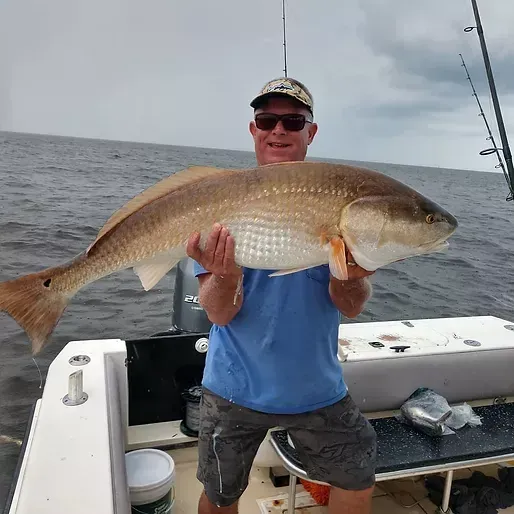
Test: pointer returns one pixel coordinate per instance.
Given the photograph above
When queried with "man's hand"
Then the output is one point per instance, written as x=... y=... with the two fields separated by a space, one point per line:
x=222 y=284
x=354 y=270
x=350 y=296
x=218 y=255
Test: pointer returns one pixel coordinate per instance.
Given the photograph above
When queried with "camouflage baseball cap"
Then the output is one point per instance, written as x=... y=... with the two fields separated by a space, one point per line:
x=285 y=86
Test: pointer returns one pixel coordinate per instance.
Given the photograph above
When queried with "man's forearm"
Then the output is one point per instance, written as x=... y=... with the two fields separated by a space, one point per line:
x=350 y=296
x=216 y=296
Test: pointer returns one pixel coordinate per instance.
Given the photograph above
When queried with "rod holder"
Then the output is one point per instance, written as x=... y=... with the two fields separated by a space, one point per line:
x=76 y=394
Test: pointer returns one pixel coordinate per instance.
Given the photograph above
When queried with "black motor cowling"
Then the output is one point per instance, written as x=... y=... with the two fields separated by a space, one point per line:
x=188 y=315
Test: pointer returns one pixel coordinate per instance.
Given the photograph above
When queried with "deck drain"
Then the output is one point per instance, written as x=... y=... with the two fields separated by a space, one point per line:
x=472 y=342
x=509 y=327
x=202 y=345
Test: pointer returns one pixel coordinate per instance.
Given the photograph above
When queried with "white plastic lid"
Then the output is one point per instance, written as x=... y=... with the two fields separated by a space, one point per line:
x=148 y=468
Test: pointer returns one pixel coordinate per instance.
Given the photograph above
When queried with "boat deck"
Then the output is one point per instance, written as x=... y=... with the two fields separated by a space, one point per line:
x=405 y=496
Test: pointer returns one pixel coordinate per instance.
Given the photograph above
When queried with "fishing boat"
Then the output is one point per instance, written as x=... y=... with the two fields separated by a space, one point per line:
x=107 y=400
x=115 y=429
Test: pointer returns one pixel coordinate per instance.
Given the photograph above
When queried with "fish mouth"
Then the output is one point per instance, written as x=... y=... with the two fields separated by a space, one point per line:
x=436 y=246
x=443 y=245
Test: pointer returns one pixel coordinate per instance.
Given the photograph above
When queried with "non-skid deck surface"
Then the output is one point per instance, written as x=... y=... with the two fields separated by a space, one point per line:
x=403 y=447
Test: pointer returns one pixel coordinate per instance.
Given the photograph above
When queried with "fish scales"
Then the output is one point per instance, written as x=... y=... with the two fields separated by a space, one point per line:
x=275 y=218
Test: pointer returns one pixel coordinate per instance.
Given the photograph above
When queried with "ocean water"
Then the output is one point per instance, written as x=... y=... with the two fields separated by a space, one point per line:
x=56 y=192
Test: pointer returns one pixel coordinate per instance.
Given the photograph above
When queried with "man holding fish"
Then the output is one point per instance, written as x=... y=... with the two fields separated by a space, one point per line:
x=293 y=250
x=272 y=358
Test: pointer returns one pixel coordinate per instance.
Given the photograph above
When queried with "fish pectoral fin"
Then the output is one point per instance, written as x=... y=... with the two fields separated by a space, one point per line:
x=151 y=271
x=337 y=259
x=281 y=272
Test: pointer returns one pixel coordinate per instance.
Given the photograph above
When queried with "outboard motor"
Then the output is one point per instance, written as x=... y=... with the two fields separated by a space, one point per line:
x=188 y=315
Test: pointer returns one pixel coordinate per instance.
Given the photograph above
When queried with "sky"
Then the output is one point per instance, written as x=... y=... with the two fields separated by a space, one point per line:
x=386 y=76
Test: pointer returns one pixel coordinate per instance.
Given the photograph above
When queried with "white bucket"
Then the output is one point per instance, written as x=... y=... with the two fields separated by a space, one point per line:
x=151 y=481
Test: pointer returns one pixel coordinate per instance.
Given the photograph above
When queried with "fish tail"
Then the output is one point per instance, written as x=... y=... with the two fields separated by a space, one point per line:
x=35 y=305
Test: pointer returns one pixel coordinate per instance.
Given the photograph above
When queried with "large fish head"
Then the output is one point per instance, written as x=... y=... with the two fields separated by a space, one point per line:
x=381 y=230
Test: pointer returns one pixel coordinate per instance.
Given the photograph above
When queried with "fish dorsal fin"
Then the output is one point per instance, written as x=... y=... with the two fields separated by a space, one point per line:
x=158 y=190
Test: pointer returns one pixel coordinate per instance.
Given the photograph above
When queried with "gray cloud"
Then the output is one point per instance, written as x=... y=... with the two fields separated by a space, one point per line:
x=423 y=56
x=387 y=78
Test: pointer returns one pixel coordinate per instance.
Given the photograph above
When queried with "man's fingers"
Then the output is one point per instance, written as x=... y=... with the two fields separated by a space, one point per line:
x=358 y=272
x=220 y=248
x=192 y=248
x=354 y=270
x=211 y=243
x=229 y=257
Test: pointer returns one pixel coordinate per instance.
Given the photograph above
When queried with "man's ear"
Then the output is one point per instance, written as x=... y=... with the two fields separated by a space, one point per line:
x=252 y=128
x=313 y=129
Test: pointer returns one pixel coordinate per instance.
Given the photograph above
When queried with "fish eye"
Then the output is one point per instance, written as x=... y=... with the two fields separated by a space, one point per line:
x=430 y=218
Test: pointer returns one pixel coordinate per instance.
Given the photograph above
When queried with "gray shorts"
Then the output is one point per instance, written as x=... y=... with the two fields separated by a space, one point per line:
x=336 y=444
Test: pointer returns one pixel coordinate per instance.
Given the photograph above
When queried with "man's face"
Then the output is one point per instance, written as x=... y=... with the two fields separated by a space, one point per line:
x=279 y=144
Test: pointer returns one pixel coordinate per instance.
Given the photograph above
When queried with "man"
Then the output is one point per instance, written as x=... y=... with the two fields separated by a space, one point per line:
x=272 y=358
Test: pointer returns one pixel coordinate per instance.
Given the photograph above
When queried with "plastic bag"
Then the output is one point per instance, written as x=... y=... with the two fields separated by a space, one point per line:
x=430 y=412
x=462 y=415
x=427 y=411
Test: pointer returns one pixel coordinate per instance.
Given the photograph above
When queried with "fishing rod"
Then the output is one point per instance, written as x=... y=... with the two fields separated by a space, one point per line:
x=509 y=174
x=490 y=137
x=284 y=35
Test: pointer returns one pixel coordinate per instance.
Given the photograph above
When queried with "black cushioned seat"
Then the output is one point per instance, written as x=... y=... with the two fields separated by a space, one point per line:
x=405 y=451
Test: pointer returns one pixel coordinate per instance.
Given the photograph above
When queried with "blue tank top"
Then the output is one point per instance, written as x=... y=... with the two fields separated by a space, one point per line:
x=279 y=353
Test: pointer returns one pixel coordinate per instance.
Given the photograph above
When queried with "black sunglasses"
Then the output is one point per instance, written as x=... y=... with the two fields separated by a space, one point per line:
x=290 y=122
